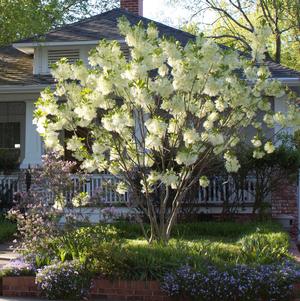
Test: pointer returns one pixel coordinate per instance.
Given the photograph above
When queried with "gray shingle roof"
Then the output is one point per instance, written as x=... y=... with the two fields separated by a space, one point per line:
x=104 y=26
x=16 y=67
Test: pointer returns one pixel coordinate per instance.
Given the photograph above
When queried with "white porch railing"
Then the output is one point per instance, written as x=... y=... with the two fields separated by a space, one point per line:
x=222 y=190
x=102 y=187
x=9 y=183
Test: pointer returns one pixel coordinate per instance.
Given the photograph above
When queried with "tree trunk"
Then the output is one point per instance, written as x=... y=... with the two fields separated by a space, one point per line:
x=278 y=48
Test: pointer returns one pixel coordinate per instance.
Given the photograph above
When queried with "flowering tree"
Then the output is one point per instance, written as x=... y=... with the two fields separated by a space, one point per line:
x=158 y=118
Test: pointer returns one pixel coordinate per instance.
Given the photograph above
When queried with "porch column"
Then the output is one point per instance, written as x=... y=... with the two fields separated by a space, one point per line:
x=33 y=143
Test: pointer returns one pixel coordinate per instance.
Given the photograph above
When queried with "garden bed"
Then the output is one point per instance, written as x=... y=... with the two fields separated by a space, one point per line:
x=208 y=261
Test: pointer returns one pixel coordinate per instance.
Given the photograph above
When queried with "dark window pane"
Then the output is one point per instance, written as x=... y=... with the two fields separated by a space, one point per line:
x=9 y=134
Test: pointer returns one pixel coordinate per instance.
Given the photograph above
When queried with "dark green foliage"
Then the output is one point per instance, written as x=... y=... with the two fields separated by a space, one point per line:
x=21 y=19
x=224 y=229
x=264 y=248
x=9 y=159
x=7 y=229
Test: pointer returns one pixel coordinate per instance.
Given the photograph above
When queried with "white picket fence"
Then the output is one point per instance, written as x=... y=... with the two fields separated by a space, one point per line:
x=102 y=187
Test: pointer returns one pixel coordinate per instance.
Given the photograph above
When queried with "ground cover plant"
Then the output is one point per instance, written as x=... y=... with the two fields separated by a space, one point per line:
x=64 y=280
x=7 y=229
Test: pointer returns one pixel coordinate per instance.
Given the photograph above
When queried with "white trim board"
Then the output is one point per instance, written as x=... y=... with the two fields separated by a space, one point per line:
x=29 y=47
x=23 y=88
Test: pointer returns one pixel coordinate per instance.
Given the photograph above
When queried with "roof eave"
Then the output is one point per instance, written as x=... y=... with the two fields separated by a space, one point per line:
x=24 y=88
x=290 y=81
x=29 y=47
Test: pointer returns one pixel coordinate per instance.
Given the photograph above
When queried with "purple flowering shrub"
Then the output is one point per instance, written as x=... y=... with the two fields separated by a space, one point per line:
x=68 y=280
x=18 y=267
x=35 y=215
x=241 y=283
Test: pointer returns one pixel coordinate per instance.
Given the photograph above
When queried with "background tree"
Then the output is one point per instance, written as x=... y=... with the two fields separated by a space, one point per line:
x=25 y=18
x=158 y=118
x=236 y=20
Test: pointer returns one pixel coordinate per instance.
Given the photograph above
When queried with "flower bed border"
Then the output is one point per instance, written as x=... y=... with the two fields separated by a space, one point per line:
x=24 y=286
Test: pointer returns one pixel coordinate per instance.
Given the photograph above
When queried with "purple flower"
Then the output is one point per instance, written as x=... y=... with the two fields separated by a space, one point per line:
x=18 y=267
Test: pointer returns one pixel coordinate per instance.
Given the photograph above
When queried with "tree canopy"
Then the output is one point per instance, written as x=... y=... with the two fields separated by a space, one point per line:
x=236 y=20
x=25 y=18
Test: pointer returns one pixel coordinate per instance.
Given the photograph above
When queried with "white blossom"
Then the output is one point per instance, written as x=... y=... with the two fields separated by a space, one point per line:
x=204 y=182
x=269 y=147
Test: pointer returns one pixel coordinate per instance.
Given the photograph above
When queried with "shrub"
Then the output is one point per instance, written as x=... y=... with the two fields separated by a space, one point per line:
x=68 y=280
x=78 y=243
x=264 y=248
x=242 y=283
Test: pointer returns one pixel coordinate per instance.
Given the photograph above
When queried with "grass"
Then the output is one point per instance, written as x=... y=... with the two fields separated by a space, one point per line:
x=7 y=229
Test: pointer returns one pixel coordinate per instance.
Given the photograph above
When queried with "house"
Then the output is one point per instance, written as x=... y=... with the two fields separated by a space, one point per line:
x=25 y=71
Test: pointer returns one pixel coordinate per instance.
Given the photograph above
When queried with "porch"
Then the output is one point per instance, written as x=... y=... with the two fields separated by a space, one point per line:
x=20 y=144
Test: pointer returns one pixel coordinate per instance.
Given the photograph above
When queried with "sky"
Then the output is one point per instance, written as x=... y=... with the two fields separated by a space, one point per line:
x=162 y=11
x=175 y=15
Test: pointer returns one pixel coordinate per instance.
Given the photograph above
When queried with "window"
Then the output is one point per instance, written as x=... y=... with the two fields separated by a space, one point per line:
x=72 y=55
x=10 y=135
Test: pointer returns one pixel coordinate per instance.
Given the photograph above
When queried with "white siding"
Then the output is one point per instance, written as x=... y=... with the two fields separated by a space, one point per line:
x=40 y=65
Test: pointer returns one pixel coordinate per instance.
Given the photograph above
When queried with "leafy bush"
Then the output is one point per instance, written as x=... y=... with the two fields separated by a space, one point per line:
x=68 y=280
x=78 y=243
x=264 y=248
x=243 y=283
x=7 y=229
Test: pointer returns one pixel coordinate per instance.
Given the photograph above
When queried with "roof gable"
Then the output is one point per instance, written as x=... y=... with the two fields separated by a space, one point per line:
x=16 y=67
x=104 y=26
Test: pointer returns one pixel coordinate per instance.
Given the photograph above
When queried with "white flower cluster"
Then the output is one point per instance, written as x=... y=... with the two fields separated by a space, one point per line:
x=231 y=162
x=163 y=112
